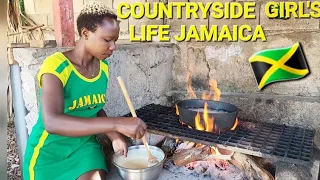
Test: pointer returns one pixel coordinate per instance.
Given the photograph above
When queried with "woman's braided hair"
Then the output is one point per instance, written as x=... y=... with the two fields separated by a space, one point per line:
x=93 y=14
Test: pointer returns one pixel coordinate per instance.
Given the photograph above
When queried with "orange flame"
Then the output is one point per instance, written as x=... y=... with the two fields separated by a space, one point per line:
x=214 y=87
x=198 y=124
x=214 y=94
x=177 y=110
x=235 y=124
x=189 y=86
x=208 y=121
x=208 y=125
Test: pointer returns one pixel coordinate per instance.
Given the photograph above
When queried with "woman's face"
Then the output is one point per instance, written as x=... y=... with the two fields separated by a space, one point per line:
x=102 y=42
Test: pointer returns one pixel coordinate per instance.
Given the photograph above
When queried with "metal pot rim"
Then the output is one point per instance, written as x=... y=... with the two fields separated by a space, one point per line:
x=140 y=170
x=197 y=99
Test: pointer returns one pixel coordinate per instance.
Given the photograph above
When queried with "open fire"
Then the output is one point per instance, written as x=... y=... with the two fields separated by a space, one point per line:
x=207 y=158
x=206 y=123
x=197 y=142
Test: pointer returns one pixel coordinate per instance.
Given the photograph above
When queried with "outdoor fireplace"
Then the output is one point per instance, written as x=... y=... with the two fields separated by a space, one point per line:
x=266 y=140
x=244 y=150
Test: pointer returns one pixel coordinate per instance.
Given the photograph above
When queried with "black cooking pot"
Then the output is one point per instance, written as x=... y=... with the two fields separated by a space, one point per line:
x=224 y=114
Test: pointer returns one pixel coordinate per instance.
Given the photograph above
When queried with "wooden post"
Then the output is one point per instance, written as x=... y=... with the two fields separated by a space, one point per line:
x=64 y=22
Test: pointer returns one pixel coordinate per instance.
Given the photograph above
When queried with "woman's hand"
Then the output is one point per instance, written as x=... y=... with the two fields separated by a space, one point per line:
x=131 y=127
x=120 y=146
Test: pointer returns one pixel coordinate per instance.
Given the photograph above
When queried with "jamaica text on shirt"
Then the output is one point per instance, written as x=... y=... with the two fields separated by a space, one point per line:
x=87 y=100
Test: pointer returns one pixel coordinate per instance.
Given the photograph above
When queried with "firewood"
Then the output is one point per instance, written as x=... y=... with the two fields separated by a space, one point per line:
x=186 y=156
x=185 y=145
x=250 y=167
x=223 y=154
x=169 y=146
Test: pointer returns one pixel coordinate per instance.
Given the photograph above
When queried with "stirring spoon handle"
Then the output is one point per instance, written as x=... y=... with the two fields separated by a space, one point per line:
x=133 y=112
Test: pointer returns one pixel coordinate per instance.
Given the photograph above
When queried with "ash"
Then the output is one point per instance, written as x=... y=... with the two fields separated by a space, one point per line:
x=205 y=170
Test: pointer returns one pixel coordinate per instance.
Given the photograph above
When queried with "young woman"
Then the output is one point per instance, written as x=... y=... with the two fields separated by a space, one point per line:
x=62 y=145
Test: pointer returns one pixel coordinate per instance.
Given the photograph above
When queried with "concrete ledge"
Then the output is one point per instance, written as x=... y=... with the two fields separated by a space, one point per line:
x=286 y=171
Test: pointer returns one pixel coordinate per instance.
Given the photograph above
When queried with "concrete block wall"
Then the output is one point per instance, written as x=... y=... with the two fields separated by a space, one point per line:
x=294 y=102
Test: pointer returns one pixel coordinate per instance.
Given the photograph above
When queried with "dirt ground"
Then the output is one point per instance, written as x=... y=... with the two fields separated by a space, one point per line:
x=13 y=169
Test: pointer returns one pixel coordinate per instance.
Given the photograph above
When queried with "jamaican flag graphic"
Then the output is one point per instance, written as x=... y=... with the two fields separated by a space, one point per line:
x=279 y=64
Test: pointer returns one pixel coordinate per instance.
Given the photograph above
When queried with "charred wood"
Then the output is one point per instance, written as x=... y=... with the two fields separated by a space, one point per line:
x=186 y=156
x=169 y=145
x=250 y=167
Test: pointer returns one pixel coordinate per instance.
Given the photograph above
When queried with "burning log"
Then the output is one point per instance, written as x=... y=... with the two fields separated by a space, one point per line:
x=250 y=167
x=188 y=152
x=186 y=156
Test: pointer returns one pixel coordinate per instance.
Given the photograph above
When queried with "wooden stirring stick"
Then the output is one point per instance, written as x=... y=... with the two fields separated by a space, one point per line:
x=151 y=158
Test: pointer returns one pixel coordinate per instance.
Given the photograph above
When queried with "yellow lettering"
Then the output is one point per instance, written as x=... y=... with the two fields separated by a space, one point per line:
x=301 y=11
x=241 y=33
x=119 y=10
x=179 y=8
x=143 y=33
x=103 y=96
x=225 y=33
x=151 y=32
x=163 y=9
x=192 y=33
x=235 y=33
x=291 y=8
x=244 y=33
x=192 y=8
x=148 y=10
x=99 y=98
x=236 y=8
x=182 y=35
x=204 y=10
x=315 y=6
x=217 y=12
x=259 y=33
x=227 y=10
x=87 y=100
x=282 y=15
x=74 y=105
x=164 y=30
x=95 y=100
x=249 y=8
x=134 y=13
x=80 y=103
x=132 y=34
x=204 y=34
x=271 y=9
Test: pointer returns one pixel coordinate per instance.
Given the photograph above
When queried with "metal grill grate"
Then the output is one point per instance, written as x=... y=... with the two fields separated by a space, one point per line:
x=280 y=142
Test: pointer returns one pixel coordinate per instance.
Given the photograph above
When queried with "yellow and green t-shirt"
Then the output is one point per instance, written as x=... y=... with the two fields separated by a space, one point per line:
x=51 y=156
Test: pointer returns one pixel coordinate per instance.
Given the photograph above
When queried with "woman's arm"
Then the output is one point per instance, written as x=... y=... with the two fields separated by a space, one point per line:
x=112 y=135
x=56 y=122
x=119 y=144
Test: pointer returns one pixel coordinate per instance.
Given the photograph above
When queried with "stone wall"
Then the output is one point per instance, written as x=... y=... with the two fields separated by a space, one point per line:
x=145 y=69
